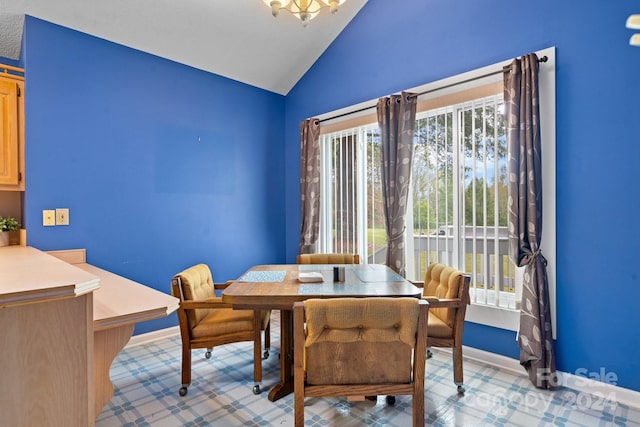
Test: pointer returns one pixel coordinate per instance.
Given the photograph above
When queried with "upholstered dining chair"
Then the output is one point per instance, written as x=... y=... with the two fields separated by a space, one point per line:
x=205 y=321
x=447 y=291
x=335 y=258
x=360 y=346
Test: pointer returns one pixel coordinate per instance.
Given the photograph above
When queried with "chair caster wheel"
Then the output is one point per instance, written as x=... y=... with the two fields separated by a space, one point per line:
x=207 y=355
x=265 y=355
x=256 y=389
x=429 y=354
x=183 y=391
x=461 y=389
x=391 y=400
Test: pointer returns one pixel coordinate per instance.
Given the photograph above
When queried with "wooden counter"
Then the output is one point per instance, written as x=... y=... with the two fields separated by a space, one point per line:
x=46 y=340
x=28 y=275
x=118 y=305
x=60 y=314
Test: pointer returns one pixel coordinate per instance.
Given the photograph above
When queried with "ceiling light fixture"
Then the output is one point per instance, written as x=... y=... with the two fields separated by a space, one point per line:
x=305 y=10
x=633 y=22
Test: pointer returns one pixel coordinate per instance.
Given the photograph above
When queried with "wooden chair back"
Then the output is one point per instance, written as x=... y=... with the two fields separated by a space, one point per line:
x=334 y=337
x=334 y=258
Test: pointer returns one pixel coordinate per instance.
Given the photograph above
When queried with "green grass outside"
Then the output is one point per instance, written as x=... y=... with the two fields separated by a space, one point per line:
x=377 y=237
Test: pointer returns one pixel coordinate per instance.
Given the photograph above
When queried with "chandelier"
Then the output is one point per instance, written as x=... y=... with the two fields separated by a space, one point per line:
x=305 y=10
x=633 y=22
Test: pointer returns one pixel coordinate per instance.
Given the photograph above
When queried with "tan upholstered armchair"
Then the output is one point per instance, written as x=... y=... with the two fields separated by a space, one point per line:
x=359 y=347
x=328 y=259
x=205 y=321
x=447 y=291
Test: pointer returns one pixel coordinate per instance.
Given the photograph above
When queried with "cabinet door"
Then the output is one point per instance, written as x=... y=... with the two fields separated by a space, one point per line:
x=9 y=146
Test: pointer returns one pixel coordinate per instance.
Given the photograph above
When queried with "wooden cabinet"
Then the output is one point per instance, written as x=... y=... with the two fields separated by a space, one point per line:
x=11 y=129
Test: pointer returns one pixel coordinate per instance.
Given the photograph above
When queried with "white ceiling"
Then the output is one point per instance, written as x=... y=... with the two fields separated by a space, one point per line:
x=238 y=39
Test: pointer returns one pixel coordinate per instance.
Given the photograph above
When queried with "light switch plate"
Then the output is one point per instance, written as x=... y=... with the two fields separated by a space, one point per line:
x=62 y=216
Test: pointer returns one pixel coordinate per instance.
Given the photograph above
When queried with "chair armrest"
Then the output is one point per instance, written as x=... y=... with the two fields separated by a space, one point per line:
x=418 y=283
x=222 y=285
x=208 y=303
x=442 y=302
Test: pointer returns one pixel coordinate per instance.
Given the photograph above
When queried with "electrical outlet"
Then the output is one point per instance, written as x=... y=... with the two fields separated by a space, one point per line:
x=62 y=216
x=48 y=217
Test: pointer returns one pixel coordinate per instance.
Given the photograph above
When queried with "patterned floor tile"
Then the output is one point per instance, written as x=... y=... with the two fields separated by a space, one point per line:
x=146 y=378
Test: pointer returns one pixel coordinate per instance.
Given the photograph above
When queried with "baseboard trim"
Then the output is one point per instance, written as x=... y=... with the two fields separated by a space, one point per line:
x=153 y=336
x=493 y=359
x=604 y=392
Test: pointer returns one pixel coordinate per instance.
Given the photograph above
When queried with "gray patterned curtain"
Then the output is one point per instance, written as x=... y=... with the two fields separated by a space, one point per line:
x=309 y=185
x=525 y=218
x=397 y=122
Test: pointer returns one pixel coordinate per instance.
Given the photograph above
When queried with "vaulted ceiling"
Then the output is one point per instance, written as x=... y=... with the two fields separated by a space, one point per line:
x=238 y=39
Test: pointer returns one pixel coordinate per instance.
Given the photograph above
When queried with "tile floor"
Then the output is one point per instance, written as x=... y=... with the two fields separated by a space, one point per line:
x=147 y=378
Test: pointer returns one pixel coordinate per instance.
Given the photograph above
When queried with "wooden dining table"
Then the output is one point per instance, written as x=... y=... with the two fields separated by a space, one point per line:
x=278 y=287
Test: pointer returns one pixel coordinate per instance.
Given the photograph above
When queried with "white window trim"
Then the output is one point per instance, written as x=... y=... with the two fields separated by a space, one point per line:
x=496 y=316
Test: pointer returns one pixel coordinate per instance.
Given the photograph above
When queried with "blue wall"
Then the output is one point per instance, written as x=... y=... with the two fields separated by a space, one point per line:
x=390 y=47
x=162 y=166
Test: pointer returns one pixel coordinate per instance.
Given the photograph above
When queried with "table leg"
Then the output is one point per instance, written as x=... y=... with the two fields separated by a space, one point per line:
x=285 y=386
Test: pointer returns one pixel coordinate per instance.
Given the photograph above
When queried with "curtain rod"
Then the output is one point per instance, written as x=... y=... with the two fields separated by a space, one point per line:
x=493 y=73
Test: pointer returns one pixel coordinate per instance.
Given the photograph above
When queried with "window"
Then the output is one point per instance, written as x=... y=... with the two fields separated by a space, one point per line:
x=351 y=217
x=459 y=211
x=457 y=214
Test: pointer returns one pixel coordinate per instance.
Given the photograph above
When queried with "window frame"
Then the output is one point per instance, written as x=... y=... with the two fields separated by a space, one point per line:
x=498 y=317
